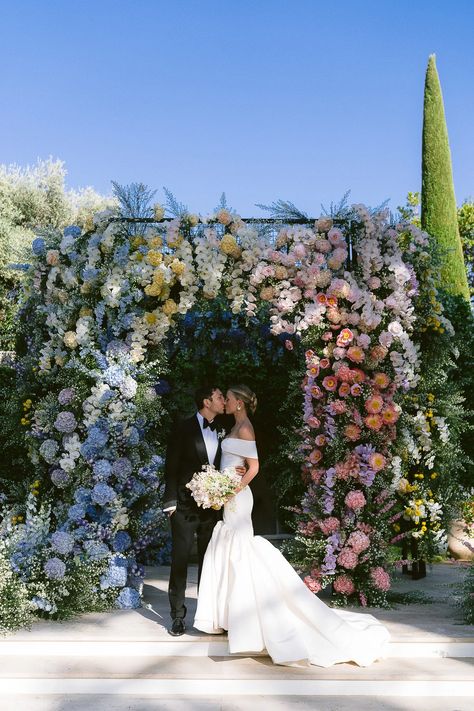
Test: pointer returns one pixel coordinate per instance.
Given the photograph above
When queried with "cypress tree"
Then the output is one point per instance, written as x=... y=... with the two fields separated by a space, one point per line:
x=438 y=202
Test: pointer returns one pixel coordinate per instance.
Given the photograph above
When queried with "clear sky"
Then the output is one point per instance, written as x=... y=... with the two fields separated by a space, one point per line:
x=262 y=99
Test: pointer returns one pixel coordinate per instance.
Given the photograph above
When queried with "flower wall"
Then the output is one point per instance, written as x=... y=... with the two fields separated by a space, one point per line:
x=98 y=308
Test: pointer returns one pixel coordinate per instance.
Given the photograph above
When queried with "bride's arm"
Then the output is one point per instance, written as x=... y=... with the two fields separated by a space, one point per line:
x=246 y=432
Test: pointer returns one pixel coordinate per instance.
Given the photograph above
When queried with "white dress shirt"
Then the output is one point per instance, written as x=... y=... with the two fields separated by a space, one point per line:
x=210 y=439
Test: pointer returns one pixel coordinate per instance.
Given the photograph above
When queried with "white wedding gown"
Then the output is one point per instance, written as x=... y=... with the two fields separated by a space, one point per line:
x=249 y=589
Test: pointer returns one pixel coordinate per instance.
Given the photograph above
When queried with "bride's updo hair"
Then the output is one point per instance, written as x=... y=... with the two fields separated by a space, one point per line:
x=243 y=392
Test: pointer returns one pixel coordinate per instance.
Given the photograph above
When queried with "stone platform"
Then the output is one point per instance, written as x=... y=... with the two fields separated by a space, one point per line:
x=126 y=660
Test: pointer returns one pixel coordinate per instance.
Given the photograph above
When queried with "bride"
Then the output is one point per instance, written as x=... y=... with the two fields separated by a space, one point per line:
x=249 y=589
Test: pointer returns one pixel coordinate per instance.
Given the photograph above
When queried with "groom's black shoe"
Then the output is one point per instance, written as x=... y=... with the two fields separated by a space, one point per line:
x=177 y=628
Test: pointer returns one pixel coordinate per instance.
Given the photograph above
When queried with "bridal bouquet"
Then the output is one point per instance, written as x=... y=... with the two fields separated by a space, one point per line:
x=211 y=488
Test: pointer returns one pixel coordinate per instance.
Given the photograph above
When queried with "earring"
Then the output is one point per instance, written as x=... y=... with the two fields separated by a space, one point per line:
x=239 y=408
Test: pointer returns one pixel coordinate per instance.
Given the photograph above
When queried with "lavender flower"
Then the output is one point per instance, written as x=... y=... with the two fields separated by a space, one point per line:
x=55 y=568
x=66 y=395
x=62 y=542
x=122 y=467
x=60 y=478
x=65 y=422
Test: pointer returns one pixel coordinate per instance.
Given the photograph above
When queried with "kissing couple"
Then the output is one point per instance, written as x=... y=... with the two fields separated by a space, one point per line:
x=245 y=585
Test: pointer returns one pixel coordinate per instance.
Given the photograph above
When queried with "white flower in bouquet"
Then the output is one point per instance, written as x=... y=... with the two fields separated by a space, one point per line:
x=211 y=488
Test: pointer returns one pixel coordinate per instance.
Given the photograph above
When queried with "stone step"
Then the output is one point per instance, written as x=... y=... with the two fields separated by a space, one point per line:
x=189 y=646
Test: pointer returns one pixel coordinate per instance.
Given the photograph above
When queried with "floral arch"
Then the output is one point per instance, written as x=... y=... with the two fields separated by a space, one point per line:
x=97 y=309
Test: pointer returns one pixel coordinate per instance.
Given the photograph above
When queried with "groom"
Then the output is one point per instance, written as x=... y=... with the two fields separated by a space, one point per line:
x=192 y=443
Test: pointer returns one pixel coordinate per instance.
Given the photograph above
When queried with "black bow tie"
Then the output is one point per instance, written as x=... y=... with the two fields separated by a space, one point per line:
x=212 y=425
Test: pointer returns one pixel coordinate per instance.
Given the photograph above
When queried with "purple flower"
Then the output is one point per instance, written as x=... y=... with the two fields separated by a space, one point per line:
x=65 y=422
x=55 y=568
x=60 y=478
x=66 y=396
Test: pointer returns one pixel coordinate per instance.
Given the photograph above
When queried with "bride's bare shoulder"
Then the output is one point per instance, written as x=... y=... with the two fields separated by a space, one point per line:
x=247 y=432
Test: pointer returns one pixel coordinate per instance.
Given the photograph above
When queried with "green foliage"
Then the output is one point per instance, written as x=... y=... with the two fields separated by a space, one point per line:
x=466 y=230
x=438 y=202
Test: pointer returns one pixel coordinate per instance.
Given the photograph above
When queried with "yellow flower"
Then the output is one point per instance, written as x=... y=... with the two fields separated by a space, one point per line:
x=153 y=289
x=177 y=267
x=27 y=404
x=173 y=243
x=150 y=318
x=85 y=311
x=35 y=492
x=154 y=258
x=170 y=307
x=396 y=527
x=159 y=211
x=230 y=247
x=70 y=339
x=138 y=241
x=20 y=519
x=24 y=421
x=158 y=277
x=434 y=475
x=156 y=241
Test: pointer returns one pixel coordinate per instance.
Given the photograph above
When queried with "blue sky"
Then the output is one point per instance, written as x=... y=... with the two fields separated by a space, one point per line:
x=262 y=99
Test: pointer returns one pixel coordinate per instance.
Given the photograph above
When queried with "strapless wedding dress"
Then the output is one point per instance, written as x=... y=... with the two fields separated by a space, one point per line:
x=249 y=589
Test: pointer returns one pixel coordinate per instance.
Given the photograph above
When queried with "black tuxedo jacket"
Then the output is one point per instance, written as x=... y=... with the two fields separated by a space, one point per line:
x=185 y=455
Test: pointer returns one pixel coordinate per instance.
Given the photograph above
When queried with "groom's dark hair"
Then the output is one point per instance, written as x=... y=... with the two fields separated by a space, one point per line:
x=203 y=393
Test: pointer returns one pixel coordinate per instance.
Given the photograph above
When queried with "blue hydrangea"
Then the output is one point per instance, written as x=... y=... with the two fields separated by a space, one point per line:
x=49 y=449
x=107 y=396
x=65 y=422
x=90 y=273
x=100 y=358
x=121 y=254
x=82 y=495
x=38 y=246
x=128 y=599
x=94 y=241
x=55 y=568
x=122 y=541
x=95 y=442
x=76 y=512
x=122 y=467
x=41 y=603
x=114 y=577
x=96 y=550
x=72 y=230
x=102 y=468
x=117 y=347
x=62 y=542
x=103 y=494
x=114 y=375
x=60 y=478
x=133 y=436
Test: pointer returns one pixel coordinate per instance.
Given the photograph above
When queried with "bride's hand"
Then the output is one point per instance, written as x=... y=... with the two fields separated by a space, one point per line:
x=241 y=471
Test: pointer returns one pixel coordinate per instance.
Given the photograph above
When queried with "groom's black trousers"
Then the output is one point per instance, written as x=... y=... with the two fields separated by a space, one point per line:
x=184 y=524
